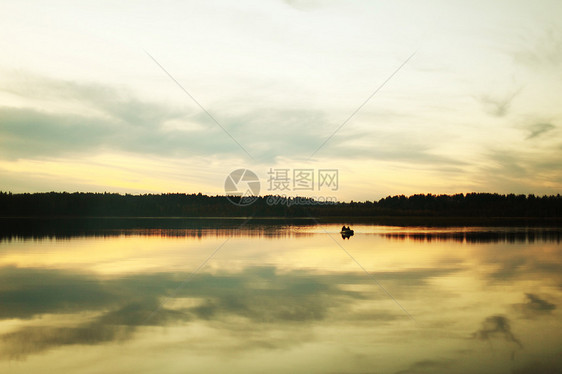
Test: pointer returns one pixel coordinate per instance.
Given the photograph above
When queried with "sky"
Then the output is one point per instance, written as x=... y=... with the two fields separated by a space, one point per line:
x=399 y=97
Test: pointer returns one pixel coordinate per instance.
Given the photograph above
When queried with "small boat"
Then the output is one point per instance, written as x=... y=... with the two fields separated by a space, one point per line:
x=346 y=233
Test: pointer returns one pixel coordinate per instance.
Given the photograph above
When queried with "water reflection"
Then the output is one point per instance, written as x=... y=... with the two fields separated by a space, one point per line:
x=257 y=295
x=345 y=235
x=529 y=235
x=37 y=229
x=285 y=301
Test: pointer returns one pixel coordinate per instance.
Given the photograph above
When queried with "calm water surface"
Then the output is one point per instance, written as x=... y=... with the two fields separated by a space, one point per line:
x=282 y=298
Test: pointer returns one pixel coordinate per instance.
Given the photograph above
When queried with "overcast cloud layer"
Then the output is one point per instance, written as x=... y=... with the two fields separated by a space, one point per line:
x=475 y=109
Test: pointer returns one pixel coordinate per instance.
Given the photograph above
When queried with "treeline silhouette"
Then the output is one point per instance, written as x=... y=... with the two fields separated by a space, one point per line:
x=79 y=204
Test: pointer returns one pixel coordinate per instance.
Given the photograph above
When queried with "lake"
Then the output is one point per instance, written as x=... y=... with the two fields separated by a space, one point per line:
x=252 y=297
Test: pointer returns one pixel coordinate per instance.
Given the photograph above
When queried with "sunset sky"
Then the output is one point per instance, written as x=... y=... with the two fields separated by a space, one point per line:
x=477 y=107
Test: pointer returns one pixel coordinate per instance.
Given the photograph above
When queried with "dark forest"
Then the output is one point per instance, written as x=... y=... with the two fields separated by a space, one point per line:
x=63 y=204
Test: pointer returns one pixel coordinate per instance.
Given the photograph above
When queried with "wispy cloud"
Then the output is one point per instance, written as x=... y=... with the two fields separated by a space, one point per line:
x=99 y=118
x=498 y=106
x=541 y=51
x=538 y=129
x=534 y=306
x=521 y=169
x=119 y=307
x=19 y=344
x=496 y=327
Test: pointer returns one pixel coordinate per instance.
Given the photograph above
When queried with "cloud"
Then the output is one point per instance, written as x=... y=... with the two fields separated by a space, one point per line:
x=520 y=169
x=498 y=107
x=494 y=327
x=31 y=340
x=534 y=306
x=538 y=304
x=515 y=264
x=107 y=310
x=26 y=293
x=91 y=118
x=119 y=307
x=84 y=119
x=539 y=129
x=91 y=100
x=541 y=51
x=28 y=133
x=255 y=296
